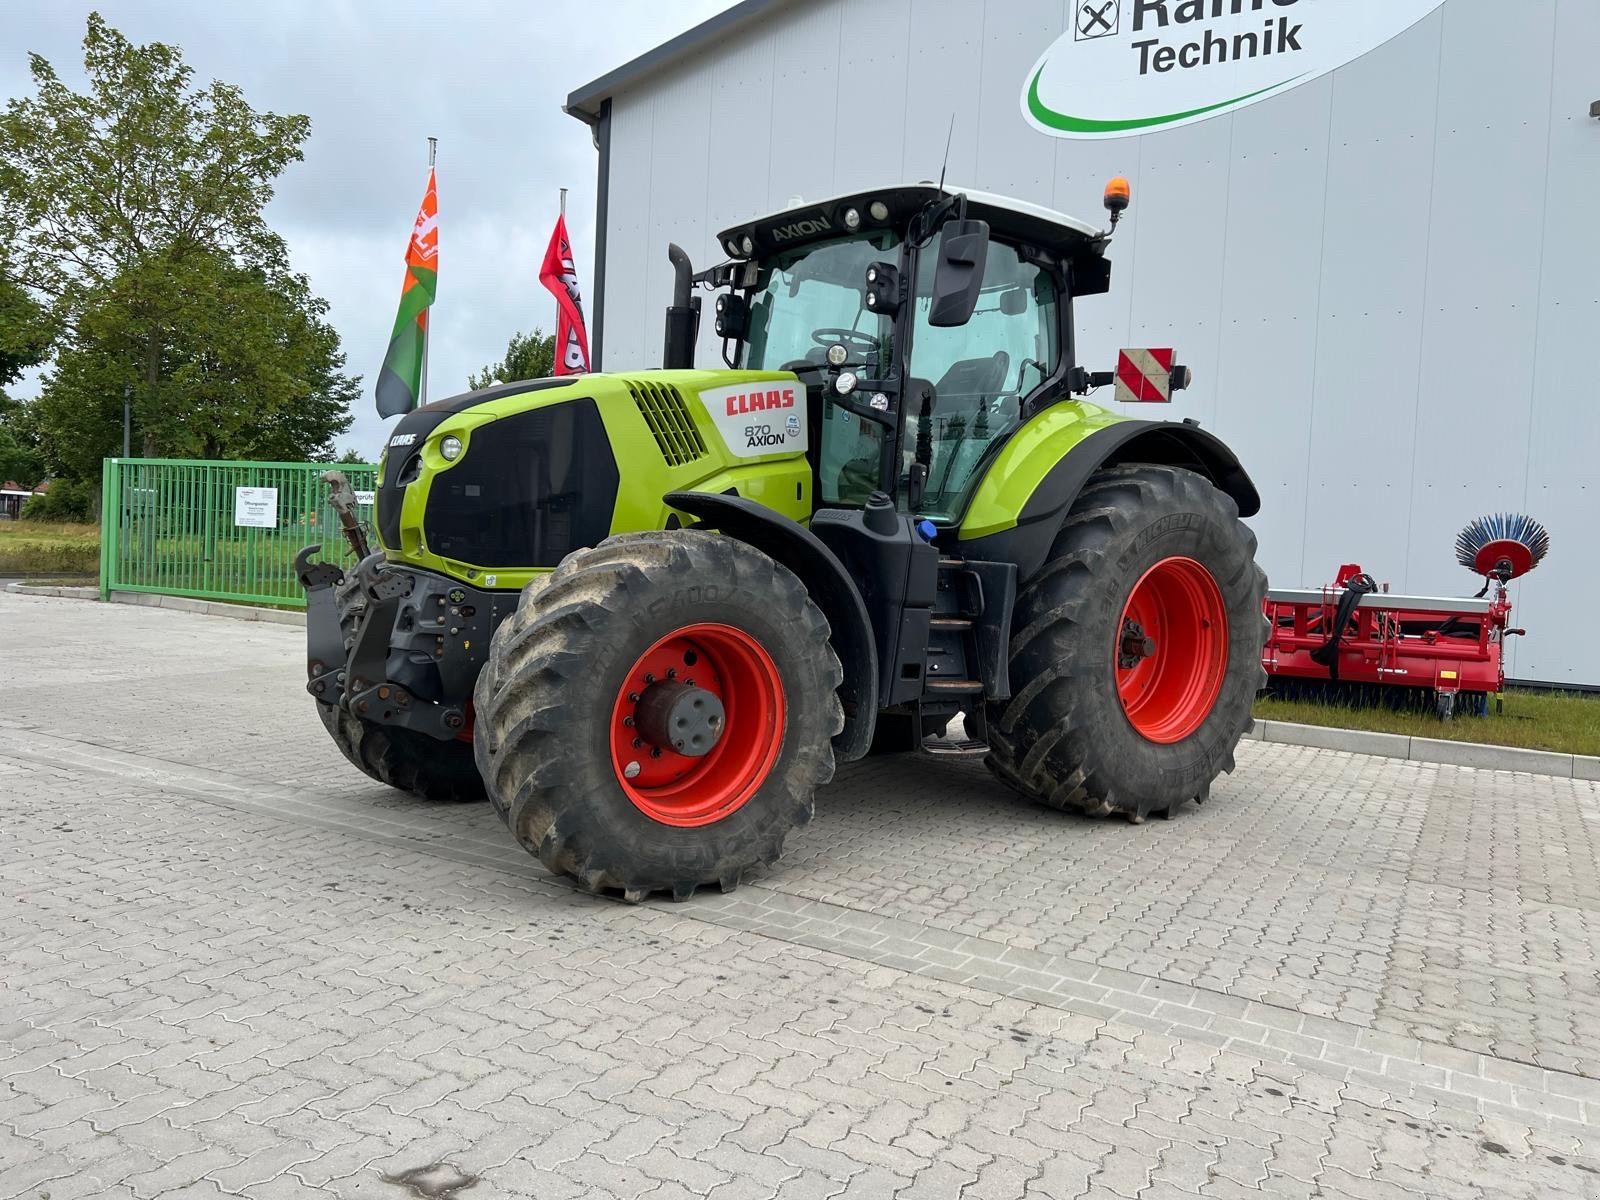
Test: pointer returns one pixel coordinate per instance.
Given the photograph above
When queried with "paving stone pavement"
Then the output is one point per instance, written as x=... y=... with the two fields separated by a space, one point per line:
x=232 y=966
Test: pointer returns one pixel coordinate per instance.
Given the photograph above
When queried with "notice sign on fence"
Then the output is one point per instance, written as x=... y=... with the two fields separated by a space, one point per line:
x=256 y=507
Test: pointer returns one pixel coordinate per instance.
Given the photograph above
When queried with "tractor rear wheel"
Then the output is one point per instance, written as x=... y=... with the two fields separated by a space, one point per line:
x=401 y=758
x=658 y=713
x=1136 y=652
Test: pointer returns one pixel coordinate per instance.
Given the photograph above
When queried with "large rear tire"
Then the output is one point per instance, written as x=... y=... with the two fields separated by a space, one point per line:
x=401 y=758
x=1136 y=655
x=570 y=735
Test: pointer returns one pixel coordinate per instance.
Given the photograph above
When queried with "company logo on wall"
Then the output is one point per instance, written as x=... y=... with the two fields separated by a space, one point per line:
x=1132 y=66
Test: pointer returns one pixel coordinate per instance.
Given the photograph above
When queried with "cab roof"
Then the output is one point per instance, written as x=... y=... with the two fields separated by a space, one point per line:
x=805 y=222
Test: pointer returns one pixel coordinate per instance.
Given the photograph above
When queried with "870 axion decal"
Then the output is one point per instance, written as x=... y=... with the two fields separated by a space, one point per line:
x=759 y=418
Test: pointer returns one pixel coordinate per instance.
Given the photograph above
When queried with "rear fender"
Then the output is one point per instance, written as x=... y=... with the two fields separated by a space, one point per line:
x=1161 y=443
x=831 y=588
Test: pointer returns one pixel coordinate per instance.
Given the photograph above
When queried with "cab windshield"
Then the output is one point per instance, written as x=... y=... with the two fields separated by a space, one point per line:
x=806 y=297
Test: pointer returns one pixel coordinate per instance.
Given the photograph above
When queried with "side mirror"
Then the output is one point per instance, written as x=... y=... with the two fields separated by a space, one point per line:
x=963 y=253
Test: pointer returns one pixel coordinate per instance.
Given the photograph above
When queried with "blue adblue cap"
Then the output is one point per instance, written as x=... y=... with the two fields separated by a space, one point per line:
x=927 y=529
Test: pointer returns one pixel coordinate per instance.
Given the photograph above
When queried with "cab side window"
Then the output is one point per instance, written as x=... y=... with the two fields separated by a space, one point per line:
x=968 y=383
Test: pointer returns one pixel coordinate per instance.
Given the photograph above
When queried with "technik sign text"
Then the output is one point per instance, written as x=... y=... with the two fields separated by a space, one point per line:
x=1131 y=66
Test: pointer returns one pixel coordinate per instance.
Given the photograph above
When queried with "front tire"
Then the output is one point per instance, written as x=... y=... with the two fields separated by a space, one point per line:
x=1137 y=653
x=581 y=761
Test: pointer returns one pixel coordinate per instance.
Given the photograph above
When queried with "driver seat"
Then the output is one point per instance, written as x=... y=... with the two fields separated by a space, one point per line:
x=972 y=384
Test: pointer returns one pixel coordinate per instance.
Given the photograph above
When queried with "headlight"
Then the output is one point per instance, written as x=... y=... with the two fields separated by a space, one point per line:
x=450 y=447
x=852 y=218
x=846 y=383
x=879 y=210
x=837 y=354
x=748 y=245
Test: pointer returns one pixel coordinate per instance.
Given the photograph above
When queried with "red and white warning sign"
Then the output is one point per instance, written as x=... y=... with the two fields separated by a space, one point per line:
x=1144 y=376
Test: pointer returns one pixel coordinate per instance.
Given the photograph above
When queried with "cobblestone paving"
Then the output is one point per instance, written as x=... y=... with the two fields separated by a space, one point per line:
x=230 y=965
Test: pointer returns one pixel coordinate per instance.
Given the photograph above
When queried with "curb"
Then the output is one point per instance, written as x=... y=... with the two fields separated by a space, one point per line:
x=206 y=608
x=210 y=608
x=59 y=591
x=1429 y=750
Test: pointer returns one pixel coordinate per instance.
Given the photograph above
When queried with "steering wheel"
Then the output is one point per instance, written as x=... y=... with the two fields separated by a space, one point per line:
x=860 y=345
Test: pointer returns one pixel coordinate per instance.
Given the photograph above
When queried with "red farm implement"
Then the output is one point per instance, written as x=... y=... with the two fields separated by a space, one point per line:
x=1355 y=642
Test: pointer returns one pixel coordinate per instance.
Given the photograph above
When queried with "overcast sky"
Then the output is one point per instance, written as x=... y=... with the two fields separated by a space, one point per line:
x=486 y=77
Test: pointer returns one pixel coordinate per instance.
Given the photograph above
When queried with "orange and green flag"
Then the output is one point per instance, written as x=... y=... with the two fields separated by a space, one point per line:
x=400 y=380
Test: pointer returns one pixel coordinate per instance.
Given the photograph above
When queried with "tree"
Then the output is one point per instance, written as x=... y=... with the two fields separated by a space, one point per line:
x=25 y=337
x=352 y=458
x=134 y=211
x=528 y=356
x=25 y=331
x=248 y=368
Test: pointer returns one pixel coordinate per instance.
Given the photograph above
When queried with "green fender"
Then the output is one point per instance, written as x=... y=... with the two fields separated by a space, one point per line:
x=1025 y=495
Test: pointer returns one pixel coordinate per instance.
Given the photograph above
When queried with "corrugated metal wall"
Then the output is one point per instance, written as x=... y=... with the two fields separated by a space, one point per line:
x=1387 y=280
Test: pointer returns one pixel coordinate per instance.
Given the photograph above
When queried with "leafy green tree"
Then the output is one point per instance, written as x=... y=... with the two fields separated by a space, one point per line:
x=248 y=369
x=25 y=337
x=352 y=458
x=134 y=211
x=25 y=331
x=528 y=356
x=67 y=500
x=19 y=459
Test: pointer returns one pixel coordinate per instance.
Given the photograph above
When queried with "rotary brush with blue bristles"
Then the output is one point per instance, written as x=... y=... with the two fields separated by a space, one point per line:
x=1502 y=544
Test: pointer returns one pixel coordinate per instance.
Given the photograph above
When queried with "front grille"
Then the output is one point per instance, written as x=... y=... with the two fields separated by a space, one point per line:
x=664 y=410
x=530 y=489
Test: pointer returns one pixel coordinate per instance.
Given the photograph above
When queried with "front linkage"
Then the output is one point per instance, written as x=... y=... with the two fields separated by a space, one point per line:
x=395 y=646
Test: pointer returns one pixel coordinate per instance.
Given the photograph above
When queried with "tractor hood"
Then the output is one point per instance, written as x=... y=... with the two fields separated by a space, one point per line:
x=494 y=486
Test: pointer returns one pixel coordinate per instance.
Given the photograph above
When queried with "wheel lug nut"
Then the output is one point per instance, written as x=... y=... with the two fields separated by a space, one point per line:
x=655 y=752
x=628 y=721
x=633 y=697
x=649 y=678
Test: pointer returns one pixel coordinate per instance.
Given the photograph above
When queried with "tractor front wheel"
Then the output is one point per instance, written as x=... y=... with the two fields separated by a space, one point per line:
x=1136 y=652
x=658 y=713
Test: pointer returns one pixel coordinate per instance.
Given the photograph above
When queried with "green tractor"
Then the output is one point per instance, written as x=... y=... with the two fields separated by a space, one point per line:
x=649 y=612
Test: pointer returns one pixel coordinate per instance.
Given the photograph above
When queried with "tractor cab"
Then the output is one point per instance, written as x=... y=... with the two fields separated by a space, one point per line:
x=926 y=325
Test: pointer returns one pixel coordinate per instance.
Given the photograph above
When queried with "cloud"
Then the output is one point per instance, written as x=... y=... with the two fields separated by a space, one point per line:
x=486 y=77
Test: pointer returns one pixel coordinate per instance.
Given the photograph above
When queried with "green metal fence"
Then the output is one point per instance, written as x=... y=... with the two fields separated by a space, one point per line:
x=218 y=530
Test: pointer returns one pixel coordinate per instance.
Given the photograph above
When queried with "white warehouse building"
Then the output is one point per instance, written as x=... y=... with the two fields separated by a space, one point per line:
x=1370 y=227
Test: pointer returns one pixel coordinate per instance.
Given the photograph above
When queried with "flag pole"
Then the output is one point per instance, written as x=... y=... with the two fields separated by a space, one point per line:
x=427 y=328
x=563 y=202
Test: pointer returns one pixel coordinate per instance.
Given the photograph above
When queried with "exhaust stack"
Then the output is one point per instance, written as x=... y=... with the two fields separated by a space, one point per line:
x=683 y=315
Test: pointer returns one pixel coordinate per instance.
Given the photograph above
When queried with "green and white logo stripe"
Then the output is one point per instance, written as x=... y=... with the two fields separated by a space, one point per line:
x=1067 y=123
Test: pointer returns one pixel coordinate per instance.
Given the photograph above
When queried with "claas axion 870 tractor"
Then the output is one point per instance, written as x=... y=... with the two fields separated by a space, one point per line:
x=649 y=612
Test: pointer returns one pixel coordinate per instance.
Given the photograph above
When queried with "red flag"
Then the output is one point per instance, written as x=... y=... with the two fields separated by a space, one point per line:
x=561 y=278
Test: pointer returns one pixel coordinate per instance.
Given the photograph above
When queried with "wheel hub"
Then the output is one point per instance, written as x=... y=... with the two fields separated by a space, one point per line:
x=697 y=724
x=676 y=716
x=1136 y=644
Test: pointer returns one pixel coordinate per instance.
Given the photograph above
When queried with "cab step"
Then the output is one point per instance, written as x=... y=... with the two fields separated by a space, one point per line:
x=951 y=624
x=962 y=687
